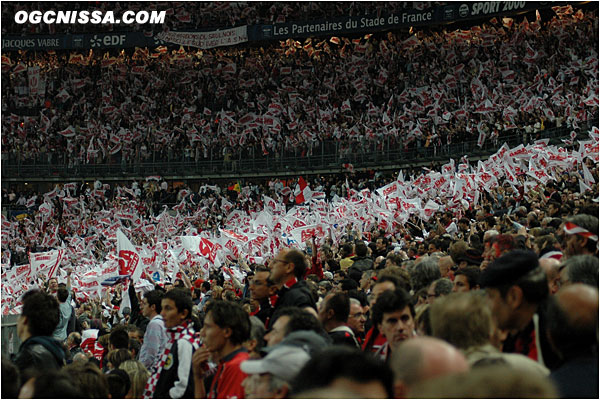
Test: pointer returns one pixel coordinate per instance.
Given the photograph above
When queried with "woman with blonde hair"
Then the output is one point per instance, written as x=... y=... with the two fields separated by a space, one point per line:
x=138 y=375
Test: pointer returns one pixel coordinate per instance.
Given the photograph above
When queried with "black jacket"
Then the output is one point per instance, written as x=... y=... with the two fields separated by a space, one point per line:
x=40 y=352
x=297 y=296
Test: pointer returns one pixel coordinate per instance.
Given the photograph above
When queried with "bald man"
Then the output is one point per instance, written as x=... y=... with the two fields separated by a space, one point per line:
x=423 y=358
x=573 y=332
x=551 y=268
x=445 y=263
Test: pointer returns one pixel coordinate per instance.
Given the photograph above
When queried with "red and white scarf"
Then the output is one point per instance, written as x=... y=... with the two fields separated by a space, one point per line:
x=572 y=229
x=178 y=333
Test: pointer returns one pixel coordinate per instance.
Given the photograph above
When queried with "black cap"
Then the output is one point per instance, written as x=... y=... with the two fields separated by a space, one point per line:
x=509 y=268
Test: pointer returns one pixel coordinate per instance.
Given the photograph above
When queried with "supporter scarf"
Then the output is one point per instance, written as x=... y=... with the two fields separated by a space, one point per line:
x=177 y=333
x=572 y=229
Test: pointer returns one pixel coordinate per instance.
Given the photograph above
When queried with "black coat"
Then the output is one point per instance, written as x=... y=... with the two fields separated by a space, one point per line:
x=40 y=352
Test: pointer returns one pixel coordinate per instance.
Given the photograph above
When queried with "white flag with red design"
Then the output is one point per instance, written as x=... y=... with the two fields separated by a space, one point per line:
x=46 y=262
x=302 y=192
x=129 y=258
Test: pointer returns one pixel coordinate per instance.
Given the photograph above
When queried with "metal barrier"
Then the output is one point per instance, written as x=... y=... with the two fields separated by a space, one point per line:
x=10 y=339
x=326 y=156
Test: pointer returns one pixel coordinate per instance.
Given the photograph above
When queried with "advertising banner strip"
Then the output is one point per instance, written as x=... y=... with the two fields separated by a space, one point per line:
x=453 y=12
x=207 y=40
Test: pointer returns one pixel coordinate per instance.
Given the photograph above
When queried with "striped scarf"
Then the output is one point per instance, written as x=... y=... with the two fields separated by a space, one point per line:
x=180 y=332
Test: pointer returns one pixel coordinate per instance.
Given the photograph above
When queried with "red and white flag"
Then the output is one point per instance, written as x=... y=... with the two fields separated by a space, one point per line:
x=46 y=262
x=129 y=258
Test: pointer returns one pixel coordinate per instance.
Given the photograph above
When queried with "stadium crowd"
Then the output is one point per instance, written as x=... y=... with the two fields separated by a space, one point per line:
x=429 y=90
x=200 y=15
x=356 y=313
x=460 y=280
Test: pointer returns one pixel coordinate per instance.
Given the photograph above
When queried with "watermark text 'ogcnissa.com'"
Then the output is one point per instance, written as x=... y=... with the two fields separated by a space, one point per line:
x=90 y=17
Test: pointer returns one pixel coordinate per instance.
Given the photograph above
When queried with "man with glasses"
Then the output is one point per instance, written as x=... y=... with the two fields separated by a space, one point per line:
x=155 y=337
x=287 y=270
x=357 y=319
x=261 y=289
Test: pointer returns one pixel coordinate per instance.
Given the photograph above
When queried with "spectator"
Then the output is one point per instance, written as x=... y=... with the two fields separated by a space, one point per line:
x=343 y=368
x=138 y=376
x=465 y=321
x=287 y=270
x=579 y=269
x=333 y=314
x=572 y=328
x=518 y=289
x=270 y=377
x=155 y=337
x=88 y=380
x=466 y=279
x=420 y=359
x=35 y=325
x=393 y=314
x=226 y=328
x=173 y=376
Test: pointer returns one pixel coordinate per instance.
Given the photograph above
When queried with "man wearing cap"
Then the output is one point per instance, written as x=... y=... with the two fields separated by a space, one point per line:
x=518 y=290
x=579 y=235
x=287 y=270
x=270 y=377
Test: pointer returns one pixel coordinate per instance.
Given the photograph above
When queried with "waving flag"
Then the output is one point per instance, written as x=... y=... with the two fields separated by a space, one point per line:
x=129 y=258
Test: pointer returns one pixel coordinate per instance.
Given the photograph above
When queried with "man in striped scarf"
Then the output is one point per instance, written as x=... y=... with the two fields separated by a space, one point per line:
x=173 y=377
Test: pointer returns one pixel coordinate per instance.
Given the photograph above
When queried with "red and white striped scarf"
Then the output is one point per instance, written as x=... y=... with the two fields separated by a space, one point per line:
x=572 y=229
x=177 y=333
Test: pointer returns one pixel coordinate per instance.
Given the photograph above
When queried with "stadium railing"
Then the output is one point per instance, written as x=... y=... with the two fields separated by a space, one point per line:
x=327 y=156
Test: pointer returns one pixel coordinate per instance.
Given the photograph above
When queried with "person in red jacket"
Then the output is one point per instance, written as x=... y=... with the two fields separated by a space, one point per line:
x=226 y=327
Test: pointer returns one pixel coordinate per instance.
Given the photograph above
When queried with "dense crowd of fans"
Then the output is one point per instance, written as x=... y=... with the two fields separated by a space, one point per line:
x=431 y=89
x=371 y=313
x=451 y=281
x=200 y=15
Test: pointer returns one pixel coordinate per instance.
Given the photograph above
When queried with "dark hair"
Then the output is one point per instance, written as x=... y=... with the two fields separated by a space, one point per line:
x=296 y=257
x=390 y=301
x=154 y=298
x=42 y=312
x=342 y=362
x=472 y=274
x=182 y=299
x=348 y=284
x=76 y=338
x=340 y=304
x=361 y=249
x=346 y=250
x=231 y=315
x=134 y=346
x=119 y=338
x=304 y=321
x=62 y=294
x=52 y=384
x=118 y=383
x=206 y=285
x=11 y=379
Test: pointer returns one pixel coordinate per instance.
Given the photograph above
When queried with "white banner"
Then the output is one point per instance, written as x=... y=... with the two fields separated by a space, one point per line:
x=49 y=261
x=207 y=40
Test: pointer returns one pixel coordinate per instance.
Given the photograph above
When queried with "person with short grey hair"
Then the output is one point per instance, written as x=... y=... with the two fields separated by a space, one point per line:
x=579 y=269
x=438 y=288
x=424 y=273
